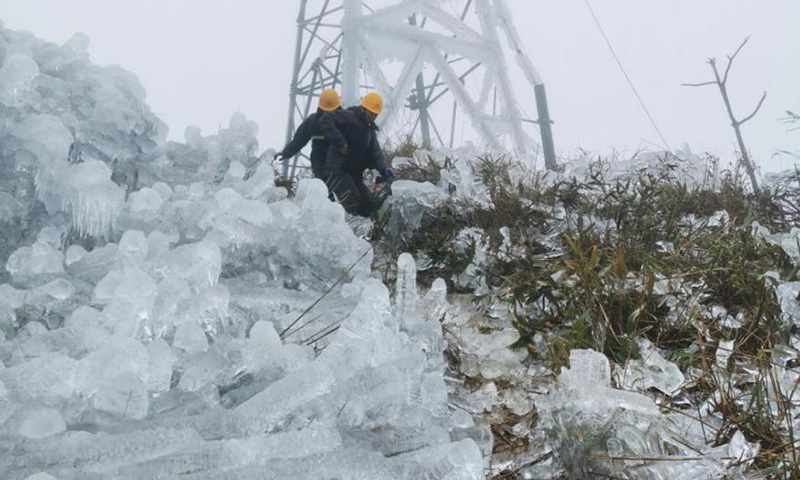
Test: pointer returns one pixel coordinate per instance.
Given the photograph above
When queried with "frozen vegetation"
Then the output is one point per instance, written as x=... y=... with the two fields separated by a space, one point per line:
x=167 y=311
x=622 y=319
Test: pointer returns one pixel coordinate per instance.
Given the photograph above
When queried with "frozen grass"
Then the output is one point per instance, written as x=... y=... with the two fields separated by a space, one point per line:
x=643 y=255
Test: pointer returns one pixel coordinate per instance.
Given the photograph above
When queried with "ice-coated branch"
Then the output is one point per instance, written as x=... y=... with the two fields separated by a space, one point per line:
x=731 y=58
x=760 y=103
x=721 y=81
x=704 y=84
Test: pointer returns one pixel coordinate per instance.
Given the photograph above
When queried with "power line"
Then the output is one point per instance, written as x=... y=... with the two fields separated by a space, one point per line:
x=627 y=77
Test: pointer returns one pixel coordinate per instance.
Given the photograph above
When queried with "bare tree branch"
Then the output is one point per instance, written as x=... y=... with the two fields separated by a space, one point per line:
x=744 y=42
x=749 y=117
x=704 y=84
x=721 y=81
x=731 y=58
x=711 y=61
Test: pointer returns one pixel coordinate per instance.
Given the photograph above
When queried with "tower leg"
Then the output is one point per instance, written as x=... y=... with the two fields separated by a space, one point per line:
x=422 y=102
x=546 y=127
x=301 y=20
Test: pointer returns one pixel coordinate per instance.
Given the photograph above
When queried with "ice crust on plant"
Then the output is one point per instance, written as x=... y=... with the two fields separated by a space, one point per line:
x=579 y=424
x=584 y=416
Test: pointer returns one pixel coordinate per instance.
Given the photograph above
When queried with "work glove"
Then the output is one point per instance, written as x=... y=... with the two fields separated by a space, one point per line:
x=385 y=176
x=277 y=156
x=342 y=150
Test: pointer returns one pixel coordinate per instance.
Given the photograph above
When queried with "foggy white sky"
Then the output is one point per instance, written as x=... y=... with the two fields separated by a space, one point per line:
x=202 y=60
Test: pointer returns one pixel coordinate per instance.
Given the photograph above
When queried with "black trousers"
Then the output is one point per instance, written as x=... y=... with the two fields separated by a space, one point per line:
x=318 y=167
x=354 y=196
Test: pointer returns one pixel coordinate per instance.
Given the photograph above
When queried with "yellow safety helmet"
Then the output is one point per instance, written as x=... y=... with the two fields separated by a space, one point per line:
x=329 y=101
x=372 y=102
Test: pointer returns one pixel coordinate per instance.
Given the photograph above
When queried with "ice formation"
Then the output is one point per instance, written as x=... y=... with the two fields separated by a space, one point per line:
x=651 y=371
x=152 y=313
x=584 y=415
x=383 y=34
x=584 y=424
x=155 y=314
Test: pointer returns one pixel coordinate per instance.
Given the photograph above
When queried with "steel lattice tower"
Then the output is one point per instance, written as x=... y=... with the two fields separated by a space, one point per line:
x=434 y=61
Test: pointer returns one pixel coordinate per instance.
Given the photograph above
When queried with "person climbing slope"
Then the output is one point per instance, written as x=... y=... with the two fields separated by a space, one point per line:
x=309 y=130
x=354 y=148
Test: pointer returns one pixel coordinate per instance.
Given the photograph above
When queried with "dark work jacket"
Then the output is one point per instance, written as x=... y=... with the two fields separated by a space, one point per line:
x=349 y=127
x=309 y=130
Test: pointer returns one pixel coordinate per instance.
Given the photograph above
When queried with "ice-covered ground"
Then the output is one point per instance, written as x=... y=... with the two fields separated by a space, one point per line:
x=166 y=310
x=161 y=316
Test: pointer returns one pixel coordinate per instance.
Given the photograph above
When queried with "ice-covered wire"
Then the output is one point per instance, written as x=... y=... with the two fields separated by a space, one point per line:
x=627 y=77
x=284 y=333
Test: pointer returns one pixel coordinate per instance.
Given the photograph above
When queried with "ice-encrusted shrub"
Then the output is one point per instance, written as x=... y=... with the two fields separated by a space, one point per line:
x=441 y=195
x=608 y=262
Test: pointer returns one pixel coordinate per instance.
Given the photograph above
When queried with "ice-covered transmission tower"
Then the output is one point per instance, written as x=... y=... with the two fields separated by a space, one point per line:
x=447 y=70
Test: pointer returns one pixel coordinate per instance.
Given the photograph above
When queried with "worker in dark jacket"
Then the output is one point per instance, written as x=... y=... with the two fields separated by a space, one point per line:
x=354 y=148
x=309 y=130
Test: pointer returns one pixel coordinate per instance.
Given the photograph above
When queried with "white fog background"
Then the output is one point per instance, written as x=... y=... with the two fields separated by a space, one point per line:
x=202 y=60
